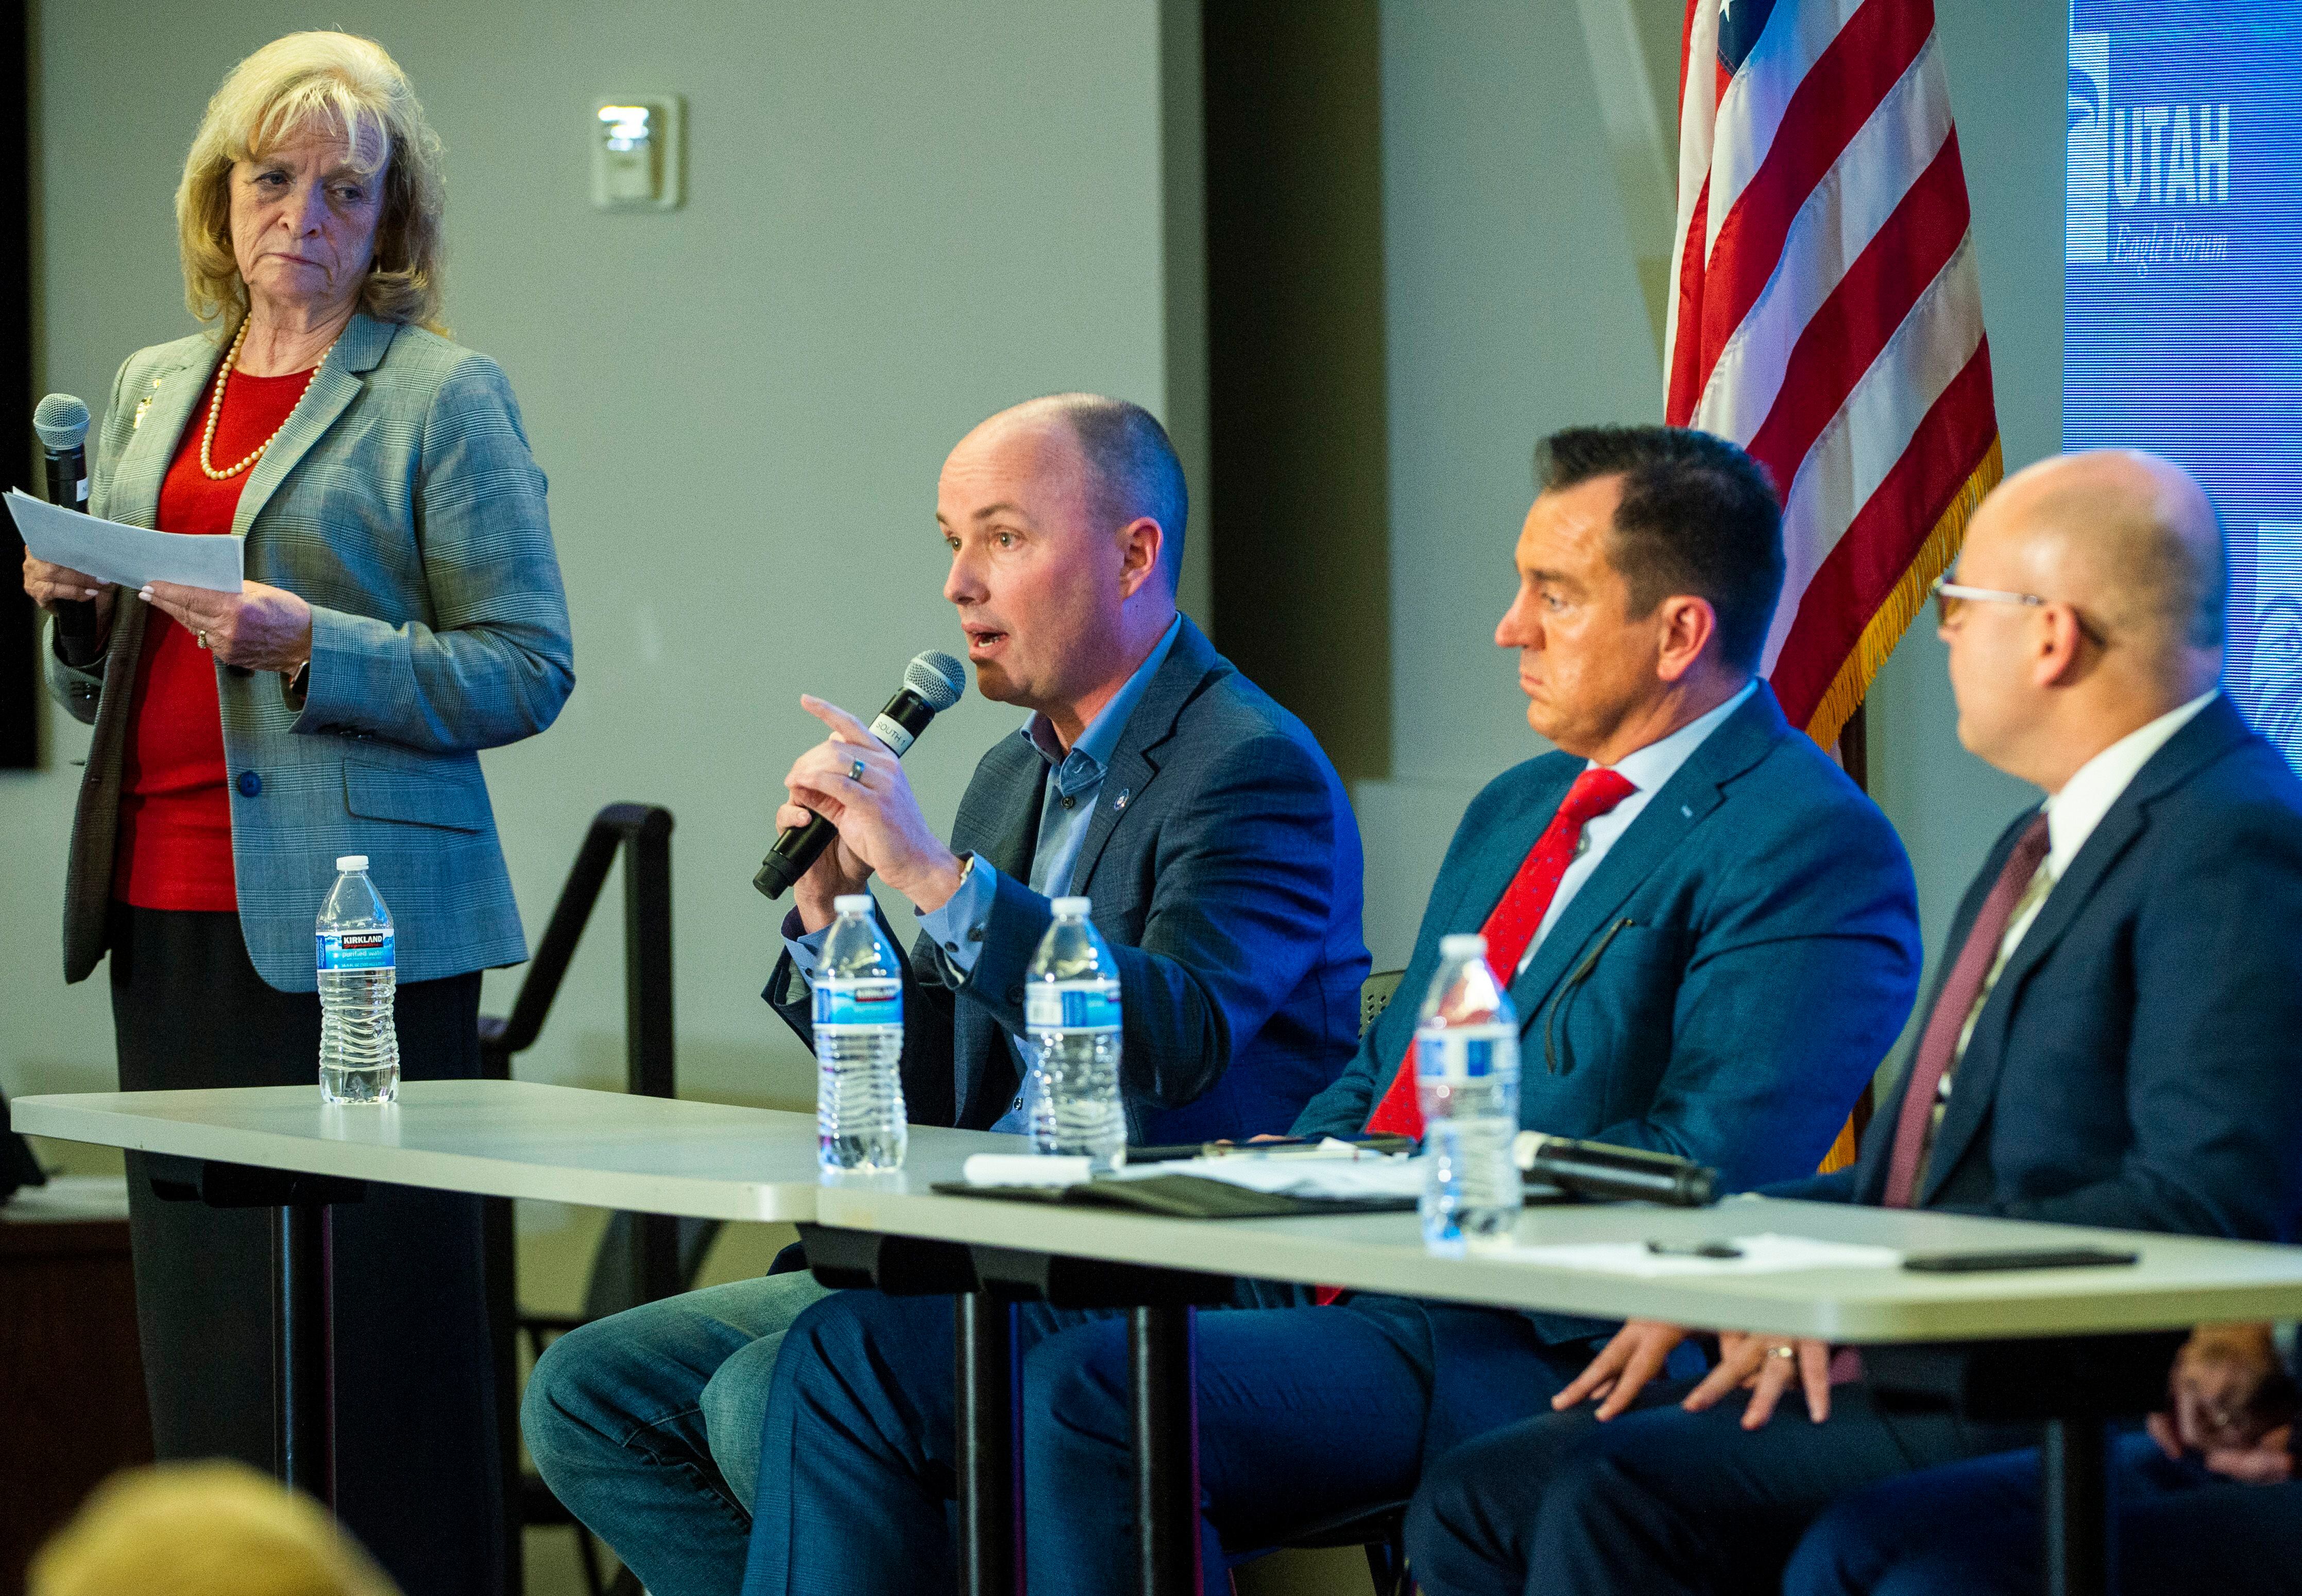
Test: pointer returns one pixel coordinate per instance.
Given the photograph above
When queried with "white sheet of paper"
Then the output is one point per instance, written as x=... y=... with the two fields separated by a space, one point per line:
x=128 y=555
x=1369 y=1175
x=1765 y=1253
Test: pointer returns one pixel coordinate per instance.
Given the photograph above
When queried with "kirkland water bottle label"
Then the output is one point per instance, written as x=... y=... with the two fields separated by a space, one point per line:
x=1462 y=1051
x=355 y=950
x=879 y=1001
x=1071 y=1005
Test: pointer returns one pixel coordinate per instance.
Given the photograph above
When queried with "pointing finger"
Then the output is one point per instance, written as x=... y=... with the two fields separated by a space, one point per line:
x=845 y=727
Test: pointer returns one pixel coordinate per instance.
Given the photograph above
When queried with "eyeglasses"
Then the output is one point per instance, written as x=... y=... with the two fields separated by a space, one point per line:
x=1949 y=595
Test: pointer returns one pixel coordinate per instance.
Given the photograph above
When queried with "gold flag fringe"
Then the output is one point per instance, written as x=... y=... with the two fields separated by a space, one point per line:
x=1902 y=607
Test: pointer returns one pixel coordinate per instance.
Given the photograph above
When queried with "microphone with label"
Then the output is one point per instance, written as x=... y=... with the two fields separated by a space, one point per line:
x=933 y=683
x=61 y=422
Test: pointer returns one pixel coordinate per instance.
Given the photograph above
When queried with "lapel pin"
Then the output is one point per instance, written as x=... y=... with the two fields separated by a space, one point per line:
x=1119 y=803
x=1687 y=810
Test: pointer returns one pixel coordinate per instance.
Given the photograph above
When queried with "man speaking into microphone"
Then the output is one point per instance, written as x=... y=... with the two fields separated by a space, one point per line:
x=1203 y=819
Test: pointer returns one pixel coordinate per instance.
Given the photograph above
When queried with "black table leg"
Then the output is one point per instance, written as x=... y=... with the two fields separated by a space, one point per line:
x=990 y=1512
x=2075 y=1484
x=303 y=1384
x=1166 y=1431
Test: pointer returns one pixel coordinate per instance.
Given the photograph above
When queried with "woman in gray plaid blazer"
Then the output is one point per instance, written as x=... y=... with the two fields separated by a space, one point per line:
x=404 y=610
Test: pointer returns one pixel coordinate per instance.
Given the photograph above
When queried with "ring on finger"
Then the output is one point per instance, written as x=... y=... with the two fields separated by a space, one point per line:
x=855 y=772
x=1781 y=1352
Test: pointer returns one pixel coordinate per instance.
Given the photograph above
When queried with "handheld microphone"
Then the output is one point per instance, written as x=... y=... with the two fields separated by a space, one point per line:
x=933 y=682
x=1597 y=1169
x=61 y=422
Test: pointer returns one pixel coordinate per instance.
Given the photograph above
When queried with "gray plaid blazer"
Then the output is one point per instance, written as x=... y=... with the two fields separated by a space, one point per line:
x=401 y=502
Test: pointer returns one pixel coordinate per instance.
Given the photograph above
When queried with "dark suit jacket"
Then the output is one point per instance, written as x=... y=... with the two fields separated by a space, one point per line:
x=1224 y=862
x=2138 y=1063
x=1722 y=984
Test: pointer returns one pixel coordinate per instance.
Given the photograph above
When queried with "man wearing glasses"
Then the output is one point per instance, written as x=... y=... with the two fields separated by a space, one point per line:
x=2110 y=1042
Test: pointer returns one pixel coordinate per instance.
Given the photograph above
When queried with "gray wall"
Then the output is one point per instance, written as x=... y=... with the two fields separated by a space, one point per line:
x=902 y=215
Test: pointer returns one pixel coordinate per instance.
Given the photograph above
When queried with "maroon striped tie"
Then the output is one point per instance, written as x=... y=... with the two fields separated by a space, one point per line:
x=1938 y=1047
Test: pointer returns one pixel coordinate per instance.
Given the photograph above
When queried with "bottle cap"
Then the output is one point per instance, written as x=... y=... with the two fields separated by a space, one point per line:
x=1070 y=906
x=352 y=862
x=854 y=902
x=1463 y=945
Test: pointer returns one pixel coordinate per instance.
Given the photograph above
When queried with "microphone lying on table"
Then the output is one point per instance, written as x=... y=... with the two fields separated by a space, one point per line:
x=932 y=683
x=1609 y=1174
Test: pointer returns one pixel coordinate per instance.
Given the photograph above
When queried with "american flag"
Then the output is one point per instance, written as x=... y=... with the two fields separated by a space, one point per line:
x=1824 y=314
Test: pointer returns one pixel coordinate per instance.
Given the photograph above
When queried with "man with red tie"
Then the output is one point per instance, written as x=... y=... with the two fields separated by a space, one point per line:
x=2112 y=1042
x=1710 y=939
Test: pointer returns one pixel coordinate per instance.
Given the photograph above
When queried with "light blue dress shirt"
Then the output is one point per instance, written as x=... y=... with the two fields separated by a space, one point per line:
x=1074 y=783
x=1648 y=770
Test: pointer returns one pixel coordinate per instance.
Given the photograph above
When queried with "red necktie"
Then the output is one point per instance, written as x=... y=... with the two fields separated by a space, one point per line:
x=1938 y=1046
x=1515 y=919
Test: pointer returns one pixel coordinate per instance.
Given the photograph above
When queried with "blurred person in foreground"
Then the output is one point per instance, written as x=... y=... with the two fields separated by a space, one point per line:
x=403 y=611
x=2110 y=1042
x=202 y=1529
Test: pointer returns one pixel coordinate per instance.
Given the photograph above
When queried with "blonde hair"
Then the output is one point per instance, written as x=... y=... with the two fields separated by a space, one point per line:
x=345 y=85
x=202 y=1529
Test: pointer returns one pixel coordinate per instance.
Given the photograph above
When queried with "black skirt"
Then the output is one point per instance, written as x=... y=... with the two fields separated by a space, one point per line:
x=417 y=1475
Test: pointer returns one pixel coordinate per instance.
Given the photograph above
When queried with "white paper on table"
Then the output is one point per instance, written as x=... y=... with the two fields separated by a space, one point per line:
x=1764 y=1253
x=127 y=555
x=1373 y=1175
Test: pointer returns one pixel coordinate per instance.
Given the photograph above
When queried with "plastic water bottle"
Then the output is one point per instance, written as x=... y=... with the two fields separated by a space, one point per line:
x=1466 y=1083
x=1071 y=1007
x=359 y=1046
x=859 y=1047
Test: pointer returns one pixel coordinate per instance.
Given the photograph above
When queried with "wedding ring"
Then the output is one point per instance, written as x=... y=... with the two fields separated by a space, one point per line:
x=1781 y=1352
x=855 y=771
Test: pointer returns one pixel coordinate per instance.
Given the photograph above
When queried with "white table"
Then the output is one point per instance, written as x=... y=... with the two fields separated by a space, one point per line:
x=2178 y=1281
x=502 y=1139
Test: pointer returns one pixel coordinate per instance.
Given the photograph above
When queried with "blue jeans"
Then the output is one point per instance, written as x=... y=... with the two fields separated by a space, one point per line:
x=2180 y=1529
x=646 y=1425
x=1306 y=1415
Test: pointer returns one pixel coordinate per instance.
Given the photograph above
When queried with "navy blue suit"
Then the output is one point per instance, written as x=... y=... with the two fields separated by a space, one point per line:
x=2180 y=1528
x=1721 y=986
x=2135 y=1066
x=1223 y=863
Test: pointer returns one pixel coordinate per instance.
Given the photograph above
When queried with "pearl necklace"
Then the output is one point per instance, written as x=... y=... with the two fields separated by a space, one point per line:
x=215 y=408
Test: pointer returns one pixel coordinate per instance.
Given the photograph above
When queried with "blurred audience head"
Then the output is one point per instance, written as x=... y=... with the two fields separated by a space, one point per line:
x=2089 y=600
x=1649 y=568
x=202 y=1529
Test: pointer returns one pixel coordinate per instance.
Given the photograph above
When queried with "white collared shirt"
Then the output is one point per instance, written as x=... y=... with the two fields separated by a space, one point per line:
x=1647 y=770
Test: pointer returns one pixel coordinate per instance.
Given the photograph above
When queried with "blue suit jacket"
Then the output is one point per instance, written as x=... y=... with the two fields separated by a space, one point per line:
x=2138 y=1063
x=1724 y=983
x=1223 y=863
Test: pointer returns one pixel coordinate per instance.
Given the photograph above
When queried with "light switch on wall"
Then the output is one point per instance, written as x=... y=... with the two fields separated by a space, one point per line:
x=636 y=158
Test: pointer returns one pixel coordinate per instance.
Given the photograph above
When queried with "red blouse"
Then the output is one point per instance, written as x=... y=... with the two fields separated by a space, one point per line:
x=174 y=847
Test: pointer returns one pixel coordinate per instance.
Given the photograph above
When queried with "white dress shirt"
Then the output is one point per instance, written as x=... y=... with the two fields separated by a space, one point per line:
x=1647 y=770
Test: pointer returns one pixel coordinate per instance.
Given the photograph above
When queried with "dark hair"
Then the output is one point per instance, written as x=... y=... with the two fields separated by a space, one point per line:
x=1698 y=516
x=1135 y=466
